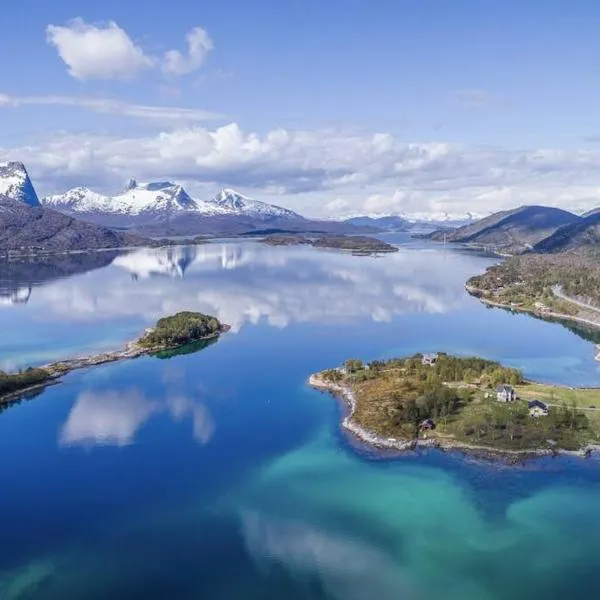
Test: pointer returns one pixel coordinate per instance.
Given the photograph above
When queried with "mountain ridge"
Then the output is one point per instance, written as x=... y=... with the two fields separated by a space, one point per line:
x=513 y=231
x=582 y=237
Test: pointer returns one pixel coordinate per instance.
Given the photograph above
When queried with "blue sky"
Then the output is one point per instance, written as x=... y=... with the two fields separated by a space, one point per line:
x=344 y=106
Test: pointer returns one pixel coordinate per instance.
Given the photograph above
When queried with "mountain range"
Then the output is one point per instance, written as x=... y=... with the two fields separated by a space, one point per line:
x=82 y=219
x=538 y=229
x=159 y=202
x=26 y=226
x=511 y=231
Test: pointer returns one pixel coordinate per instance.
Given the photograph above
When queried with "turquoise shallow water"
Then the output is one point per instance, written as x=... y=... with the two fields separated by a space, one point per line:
x=221 y=475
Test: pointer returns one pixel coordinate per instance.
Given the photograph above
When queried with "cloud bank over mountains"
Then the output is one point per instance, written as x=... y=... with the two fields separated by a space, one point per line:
x=327 y=172
x=323 y=173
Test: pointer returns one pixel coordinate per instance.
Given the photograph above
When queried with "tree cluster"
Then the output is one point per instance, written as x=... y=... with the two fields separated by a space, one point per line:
x=181 y=328
x=12 y=382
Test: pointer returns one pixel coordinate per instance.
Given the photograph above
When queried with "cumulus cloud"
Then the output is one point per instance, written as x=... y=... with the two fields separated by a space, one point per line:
x=162 y=114
x=199 y=45
x=106 y=51
x=97 y=51
x=372 y=173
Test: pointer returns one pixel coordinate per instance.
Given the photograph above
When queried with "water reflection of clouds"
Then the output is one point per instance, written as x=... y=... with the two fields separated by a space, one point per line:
x=244 y=283
x=114 y=417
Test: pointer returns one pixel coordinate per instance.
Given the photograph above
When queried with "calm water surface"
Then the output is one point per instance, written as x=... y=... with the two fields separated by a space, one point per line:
x=220 y=475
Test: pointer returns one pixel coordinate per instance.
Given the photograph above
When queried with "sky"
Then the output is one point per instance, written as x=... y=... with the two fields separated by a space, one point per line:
x=428 y=107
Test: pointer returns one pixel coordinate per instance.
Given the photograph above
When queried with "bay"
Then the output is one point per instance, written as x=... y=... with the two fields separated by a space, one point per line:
x=220 y=474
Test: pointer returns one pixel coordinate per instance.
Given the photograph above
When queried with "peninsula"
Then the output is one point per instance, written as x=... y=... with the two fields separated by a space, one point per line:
x=556 y=287
x=169 y=333
x=472 y=404
x=357 y=244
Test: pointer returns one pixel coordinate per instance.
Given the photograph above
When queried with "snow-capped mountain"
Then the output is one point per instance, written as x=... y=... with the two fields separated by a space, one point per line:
x=159 y=202
x=138 y=203
x=235 y=203
x=16 y=185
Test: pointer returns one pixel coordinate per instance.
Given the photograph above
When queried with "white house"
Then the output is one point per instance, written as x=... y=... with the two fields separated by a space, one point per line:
x=538 y=409
x=429 y=359
x=505 y=393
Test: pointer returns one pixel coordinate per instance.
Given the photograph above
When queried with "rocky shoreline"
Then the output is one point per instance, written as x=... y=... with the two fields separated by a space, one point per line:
x=372 y=439
x=60 y=368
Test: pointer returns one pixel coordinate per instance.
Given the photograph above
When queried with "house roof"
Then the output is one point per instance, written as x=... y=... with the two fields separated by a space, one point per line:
x=504 y=388
x=538 y=404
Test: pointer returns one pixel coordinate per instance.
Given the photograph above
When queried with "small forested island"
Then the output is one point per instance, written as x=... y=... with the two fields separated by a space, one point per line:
x=169 y=333
x=357 y=244
x=472 y=404
x=554 y=286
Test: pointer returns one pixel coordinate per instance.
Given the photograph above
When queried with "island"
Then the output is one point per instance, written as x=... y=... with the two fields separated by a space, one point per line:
x=360 y=245
x=468 y=403
x=169 y=334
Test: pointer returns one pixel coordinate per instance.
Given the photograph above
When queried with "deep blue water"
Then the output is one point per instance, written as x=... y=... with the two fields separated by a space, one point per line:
x=221 y=475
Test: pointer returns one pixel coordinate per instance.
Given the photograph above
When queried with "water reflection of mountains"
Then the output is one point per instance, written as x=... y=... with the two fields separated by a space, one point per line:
x=18 y=277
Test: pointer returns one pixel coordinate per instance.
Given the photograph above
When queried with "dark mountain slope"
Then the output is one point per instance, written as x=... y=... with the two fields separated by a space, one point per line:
x=514 y=230
x=27 y=228
x=580 y=237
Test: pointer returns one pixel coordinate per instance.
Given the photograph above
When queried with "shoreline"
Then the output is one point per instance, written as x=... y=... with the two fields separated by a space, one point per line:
x=373 y=440
x=59 y=368
x=478 y=293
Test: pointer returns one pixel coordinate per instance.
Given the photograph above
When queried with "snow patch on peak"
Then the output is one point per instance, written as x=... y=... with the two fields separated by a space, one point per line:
x=237 y=203
x=15 y=183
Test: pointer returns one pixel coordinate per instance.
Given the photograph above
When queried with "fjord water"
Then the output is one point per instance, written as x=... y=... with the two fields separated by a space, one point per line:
x=220 y=474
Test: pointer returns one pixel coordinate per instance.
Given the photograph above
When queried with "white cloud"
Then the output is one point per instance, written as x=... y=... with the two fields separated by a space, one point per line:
x=6 y=100
x=164 y=114
x=310 y=169
x=108 y=52
x=199 y=46
x=96 y=51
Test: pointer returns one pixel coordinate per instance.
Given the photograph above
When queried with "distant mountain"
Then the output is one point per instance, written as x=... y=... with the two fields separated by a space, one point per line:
x=582 y=237
x=16 y=185
x=27 y=228
x=592 y=212
x=165 y=206
x=512 y=231
x=138 y=204
x=235 y=203
x=386 y=223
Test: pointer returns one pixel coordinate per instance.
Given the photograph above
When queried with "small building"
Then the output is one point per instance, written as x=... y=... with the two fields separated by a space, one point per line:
x=538 y=409
x=505 y=393
x=429 y=359
x=427 y=425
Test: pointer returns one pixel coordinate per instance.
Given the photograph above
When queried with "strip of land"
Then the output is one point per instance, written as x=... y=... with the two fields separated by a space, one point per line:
x=169 y=333
x=356 y=244
x=461 y=403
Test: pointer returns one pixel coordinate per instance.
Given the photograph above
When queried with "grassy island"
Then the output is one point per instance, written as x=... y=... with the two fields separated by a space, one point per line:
x=448 y=401
x=357 y=244
x=171 y=334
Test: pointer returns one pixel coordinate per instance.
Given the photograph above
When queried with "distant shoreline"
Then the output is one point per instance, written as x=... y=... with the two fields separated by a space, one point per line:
x=373 y=440
x=478 y=293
